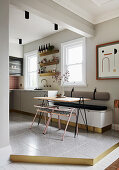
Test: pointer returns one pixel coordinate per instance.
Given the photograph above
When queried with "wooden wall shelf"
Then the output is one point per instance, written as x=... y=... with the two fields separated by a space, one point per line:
x=49 y=53
x=49 y=74
x=49 y=63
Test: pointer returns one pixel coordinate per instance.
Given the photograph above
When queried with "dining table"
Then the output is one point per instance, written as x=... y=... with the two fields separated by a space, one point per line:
x=80 y=101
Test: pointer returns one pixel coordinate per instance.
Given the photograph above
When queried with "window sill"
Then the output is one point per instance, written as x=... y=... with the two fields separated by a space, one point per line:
x=74 y=85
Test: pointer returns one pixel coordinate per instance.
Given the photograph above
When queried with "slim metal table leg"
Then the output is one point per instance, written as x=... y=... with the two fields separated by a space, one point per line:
x=85 y=116
x=86 y=120
x=77 y=116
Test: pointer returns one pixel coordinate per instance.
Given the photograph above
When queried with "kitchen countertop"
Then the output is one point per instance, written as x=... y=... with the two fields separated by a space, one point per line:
x=29 y=90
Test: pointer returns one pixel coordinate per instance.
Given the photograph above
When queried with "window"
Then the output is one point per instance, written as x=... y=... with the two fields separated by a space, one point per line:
x=74 y=61
x=31 y=70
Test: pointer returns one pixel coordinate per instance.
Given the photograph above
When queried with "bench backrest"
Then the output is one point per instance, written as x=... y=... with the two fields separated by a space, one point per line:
x=98 y=95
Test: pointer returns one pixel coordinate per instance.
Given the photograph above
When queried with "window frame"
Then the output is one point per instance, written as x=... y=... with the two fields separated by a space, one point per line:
x=64 y=46
x=26 y=55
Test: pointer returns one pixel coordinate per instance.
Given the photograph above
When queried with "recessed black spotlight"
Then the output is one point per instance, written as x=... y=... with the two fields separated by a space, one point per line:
x=55 y=26
x=20 y=41
x=26 y=15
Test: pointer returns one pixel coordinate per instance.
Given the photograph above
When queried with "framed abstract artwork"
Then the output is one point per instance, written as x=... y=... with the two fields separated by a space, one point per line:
x=107 y=61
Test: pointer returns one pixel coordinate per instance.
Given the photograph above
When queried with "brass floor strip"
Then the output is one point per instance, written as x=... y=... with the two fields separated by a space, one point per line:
x=101 y=156
x=50 y=160
x=61 y=160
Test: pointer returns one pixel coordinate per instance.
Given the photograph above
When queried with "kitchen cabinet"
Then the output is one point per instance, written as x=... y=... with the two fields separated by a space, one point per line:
x=10 y=99
x=15 y=66
x=22 y=100
x=16 y=99
x=27 y=101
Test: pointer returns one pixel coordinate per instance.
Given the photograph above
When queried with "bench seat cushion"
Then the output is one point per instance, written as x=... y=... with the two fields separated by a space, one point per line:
x=86 y=106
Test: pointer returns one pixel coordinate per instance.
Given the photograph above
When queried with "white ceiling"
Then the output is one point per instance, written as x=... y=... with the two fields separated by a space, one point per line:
x=94 y=11
x=29 y=30
x=101 y=2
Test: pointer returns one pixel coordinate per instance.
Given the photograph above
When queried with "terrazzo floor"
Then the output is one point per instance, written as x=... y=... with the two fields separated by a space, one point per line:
x=33 y=142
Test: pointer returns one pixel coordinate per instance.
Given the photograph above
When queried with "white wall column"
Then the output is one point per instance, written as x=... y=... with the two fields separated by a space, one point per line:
x=4 y=77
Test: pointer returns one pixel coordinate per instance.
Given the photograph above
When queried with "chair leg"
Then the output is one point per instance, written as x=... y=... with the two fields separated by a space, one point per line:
x=59 y=123
x=34 y=119
x=40 y=117
x=66 y=126
x=47 y=124
x=45 y=118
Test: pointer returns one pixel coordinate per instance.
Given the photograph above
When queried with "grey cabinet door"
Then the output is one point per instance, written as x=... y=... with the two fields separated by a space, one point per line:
x=11 y=100
x=16 y=100
x=23 y=100
x=28 y=102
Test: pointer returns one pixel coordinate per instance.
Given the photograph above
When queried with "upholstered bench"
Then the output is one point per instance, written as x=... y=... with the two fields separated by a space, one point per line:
x=99 y=117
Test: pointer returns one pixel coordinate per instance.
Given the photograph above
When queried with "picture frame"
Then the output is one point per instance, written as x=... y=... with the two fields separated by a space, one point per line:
x=107 y=61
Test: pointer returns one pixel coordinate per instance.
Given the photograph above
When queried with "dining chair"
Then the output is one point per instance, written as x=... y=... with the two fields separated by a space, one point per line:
x=67 y=112
x=45 y=110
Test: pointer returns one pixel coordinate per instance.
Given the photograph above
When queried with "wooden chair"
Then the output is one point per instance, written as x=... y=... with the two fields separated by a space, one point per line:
x=45 y=110
x=68 y=112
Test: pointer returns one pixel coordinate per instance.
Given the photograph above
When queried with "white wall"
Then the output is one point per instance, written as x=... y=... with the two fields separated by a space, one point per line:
x=56 y=40
x=15 y=50
x=105 y=32
x=4 y=74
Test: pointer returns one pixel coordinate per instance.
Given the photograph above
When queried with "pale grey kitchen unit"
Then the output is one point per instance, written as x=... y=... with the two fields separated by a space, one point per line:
x=22 y=100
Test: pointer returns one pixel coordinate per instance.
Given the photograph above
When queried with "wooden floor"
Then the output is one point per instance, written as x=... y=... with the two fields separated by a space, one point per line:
x=114 y=165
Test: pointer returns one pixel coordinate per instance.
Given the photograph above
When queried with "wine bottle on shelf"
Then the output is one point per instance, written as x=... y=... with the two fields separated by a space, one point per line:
x=49 y=46
x=39 y=49
x=46 y=48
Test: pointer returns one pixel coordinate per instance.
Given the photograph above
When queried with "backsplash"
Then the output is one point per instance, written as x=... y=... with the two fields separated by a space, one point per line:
x=13 y=82
x=16 y=82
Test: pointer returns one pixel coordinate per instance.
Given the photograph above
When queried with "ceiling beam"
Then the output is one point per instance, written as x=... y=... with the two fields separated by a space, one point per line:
x=56 y=14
